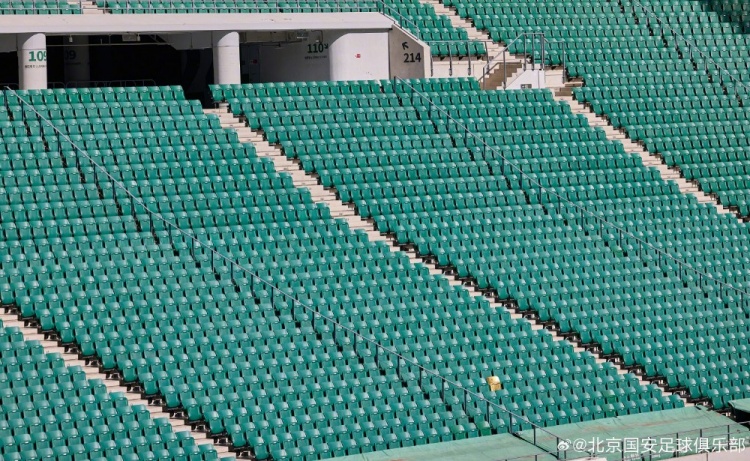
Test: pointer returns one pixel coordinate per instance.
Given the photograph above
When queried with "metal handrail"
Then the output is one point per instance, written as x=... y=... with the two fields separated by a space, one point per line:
x=689 y=43
x=218 y=6
x=496 y=59
x=294 y=303
x=469 y=60
x=107 y=83
x=585 y=213
x=501 y=57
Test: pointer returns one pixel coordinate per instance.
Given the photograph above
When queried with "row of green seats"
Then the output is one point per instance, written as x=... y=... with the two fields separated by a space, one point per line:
x=401 y=196
x=232 y=333
x=27 y=7
x=51 y=411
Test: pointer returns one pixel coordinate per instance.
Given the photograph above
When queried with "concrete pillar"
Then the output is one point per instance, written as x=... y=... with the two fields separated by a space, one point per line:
x=77 y=65
x=226 y=58
x=359 y=56
x=32 y=61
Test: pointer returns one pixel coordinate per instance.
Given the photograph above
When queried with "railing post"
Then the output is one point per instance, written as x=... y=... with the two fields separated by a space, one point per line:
x=505 y=73
x=543 y=40
x=525 y=53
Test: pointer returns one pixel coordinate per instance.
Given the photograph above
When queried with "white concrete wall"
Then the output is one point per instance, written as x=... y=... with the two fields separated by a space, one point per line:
x=409 y=57
x=328 y=56
x=360 y=56
x=190 y=40
x=88 y=24
x=288 y=62
x=441 y=68
x=535 y=78
x=554 y=78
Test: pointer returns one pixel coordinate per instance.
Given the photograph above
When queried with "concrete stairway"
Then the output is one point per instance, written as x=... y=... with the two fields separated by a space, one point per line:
x=500 y=74
x=302 y=180
x=492 y=48
x=565 y=94
x=31 y=333
x=339 y=209
x=88 y=6
x=649 y=159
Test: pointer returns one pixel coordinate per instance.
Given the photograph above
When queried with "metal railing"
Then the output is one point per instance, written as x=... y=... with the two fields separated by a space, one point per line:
x=109 y=83
x=589 y=218
x=240 y=6
x=692 y=47
x=457 y=60
x=299 y=310
x=93 y=83
x=529 y=58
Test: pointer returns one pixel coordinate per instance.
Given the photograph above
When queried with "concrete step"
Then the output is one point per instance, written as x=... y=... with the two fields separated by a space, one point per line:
x=340 y=209
x=647 y=158
x=503 y=75
x=461 y=23
x=87 y=7
x=69 y=359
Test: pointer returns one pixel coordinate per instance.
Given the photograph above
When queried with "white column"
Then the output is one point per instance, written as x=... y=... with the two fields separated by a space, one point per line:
x=359 y=56
x=77 y=64
x=226 y=58
x=32 y=61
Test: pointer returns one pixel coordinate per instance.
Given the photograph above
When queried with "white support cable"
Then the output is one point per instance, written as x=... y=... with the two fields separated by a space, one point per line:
x=315 y=314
